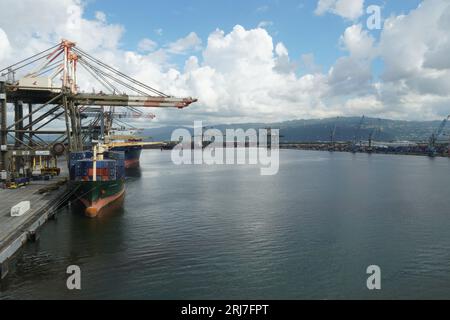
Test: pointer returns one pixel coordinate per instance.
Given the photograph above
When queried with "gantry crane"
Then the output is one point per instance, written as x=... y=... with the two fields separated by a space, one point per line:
x=377 y=129
x=432 y=151
x=104 y=119
x=356 y=138
x=48 y=102
x=333 y=138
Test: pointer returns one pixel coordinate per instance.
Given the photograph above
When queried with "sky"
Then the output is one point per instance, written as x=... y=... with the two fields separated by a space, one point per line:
x=264 y=61
x=292 y=22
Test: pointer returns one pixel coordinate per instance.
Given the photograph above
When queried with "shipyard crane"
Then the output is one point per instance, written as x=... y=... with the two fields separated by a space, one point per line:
x=105 y=118
x=333 y=138
x=120 y=115
x=356 y=138
x=205 y=140
x=375 y=130
x=32 y=81
x=435 y=136
x=133 y=115
x=270 y=136
x=65 y=60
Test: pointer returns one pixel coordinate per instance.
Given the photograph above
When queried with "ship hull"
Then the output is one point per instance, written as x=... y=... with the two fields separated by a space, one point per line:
x=132 y=156
x=97 y=196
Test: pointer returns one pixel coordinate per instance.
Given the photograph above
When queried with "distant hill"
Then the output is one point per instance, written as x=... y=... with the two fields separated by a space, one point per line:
x=320 y=129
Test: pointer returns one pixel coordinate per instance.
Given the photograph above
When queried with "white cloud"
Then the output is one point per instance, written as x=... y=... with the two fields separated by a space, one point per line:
x=281 y=50
x=238 y=80
x=348 y=9
x=147 y=45
x=352 y=75
x=265 y=24
x=4 y=45
x=407 y=39
x=413 y=48
x=358 y=42
x=243 y=75
x=308 y=62
x=45 y=22
x=415 y=80
x=283 y=63
x=437 y=56
x=100 y=16
x=368 y=105
x=186 y=44
x=349 y=76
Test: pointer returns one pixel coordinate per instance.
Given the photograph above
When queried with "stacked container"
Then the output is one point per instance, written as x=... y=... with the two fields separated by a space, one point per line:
x=111 y=168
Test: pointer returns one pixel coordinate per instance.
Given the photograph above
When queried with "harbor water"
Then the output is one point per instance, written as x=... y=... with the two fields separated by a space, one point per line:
x=227 y=232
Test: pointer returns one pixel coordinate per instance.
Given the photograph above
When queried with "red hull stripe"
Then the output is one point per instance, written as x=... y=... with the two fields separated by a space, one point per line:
x=131 y=163
x=102 y=203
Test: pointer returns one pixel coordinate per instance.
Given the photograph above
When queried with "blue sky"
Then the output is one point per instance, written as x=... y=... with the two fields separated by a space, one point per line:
x=248 y=74
x=293 y=21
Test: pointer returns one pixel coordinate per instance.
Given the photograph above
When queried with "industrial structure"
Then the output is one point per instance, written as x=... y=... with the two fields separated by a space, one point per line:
x=366 y=136
x=372 y=135
x=333 y=138
x=29 y=132
x=433 y=141
x=35 y=93
x=356 y=143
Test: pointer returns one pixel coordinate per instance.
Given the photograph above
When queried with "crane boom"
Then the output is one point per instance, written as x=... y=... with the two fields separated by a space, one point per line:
x=442 y=126
x=122 y=115
x=131 y=101
x=435 y=136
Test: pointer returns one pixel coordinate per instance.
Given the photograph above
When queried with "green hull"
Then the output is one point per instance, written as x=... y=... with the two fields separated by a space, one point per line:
x=98 y=195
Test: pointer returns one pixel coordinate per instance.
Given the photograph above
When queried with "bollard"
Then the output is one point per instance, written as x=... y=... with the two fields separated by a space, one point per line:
x=33 y=236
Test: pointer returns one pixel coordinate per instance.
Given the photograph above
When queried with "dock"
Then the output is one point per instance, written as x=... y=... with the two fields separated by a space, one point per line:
x=45 y=197
x=31 y=145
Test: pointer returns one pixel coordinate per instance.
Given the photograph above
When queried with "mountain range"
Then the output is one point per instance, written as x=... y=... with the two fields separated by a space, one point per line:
x=314 y=130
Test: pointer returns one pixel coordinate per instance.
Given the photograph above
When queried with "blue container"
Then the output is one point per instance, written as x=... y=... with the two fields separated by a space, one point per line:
x=81 y=163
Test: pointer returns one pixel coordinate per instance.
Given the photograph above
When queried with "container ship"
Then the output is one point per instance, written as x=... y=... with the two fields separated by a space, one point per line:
x=132 y=155
x=128 y=143
x=98 y=177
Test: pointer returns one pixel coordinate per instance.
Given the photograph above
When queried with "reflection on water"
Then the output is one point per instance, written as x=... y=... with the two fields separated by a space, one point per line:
x=226 y=232
x=133 y=172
